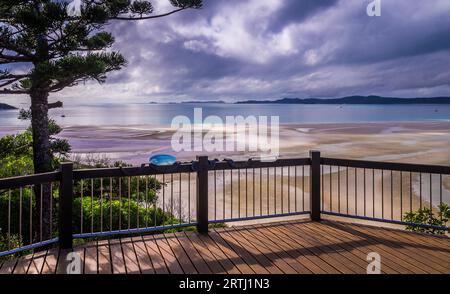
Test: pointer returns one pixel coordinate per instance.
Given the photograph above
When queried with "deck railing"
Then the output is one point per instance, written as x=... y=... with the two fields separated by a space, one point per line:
x=59 y=206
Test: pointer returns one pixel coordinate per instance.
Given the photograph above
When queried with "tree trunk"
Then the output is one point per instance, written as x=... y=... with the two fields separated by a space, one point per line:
x=42 y=161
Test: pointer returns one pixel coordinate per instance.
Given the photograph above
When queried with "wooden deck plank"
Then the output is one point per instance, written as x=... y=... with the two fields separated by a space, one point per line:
x=299 y=253
x=273 y=256
x=323 y=259
x=366 y=246
x=410 y=257
x=129 y=254
x=103 y=257
x=117 y=258
x=145 y=263
x=207 y=255
x=283 y=247
x=249 y=259
x=426 y=250
x=154 y=253
x=51 y=260
x=37 y=263
x=327 y=246
x=277 y=249
x=397 y=252
x=185 y=263
x=233 y=256
x=219 y=255
x=8 y=266
x=166 y=252
x=23 y=264
x=439 y=263
x=196 y=259
x=91 y=260
x=385 y=251
x=349 y=245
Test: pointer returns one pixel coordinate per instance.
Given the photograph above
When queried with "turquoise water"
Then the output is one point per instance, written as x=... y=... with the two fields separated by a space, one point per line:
x=161 y=114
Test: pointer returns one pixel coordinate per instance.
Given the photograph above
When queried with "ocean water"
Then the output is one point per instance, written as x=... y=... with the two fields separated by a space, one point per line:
x=108 y=114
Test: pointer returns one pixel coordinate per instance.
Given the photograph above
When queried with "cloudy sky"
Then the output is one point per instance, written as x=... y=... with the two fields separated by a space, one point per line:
x=266 y=49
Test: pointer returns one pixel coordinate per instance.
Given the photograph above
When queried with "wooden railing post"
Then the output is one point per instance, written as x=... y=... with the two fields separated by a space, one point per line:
x=65 y=206
x=315 y=185
x=202 y=194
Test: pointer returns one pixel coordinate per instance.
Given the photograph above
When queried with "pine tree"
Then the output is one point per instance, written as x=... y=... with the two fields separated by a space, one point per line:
x=61 y=48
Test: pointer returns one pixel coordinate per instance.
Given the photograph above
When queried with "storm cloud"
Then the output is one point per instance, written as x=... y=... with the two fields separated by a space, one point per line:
x=267 y=49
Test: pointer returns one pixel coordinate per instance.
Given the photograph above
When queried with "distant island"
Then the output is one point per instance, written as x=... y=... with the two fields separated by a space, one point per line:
x=352 y=100
x=4 y=106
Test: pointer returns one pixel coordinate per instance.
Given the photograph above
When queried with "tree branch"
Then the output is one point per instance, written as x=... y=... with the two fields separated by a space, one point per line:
x=9 y=91
x=11 y=79
x=150 y=16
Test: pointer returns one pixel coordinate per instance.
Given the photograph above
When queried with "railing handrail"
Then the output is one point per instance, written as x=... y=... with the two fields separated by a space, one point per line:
x=66 y=177
x=384 y=165
x=35 y=179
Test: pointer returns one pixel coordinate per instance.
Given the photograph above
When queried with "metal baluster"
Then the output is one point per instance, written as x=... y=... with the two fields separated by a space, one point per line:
x=401 y=196
x=322 y=192
x=420 y=191
x=120 y=203
x=179 y=195
x=339 y=189
x=289 y=189
x=275 y=188
x=223 y=192
x=373 y=192
x=231 y=187
x=331 y=190
x=410 y=191
x=267 y=197
x=51 y=209
x=147 y=213
x=246 y=192
x=155 y=209
x=164 y=197
x=356 y=191
x=282 y=188
x=189 y=197
x=20 y=211
x=137 y=202
x=31 y=214
x=171 y=198
x=364 y=171
x=260 y=192
x=440 y=191
x=431 y=196
x=101 y=204
x=239 y=193
x=295 y=184
x=81 y=206
x=303 y=187
x=129 y=203
x=392 y=196
x=9 y=218
x=110 y=204
x=346 y=190
x=41 y=216
x=215 y=194
x=253 y=176
x=382 y=194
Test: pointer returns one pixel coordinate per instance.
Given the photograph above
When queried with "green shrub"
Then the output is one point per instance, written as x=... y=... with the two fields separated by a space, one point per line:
x=118 y=214
x=427 y=217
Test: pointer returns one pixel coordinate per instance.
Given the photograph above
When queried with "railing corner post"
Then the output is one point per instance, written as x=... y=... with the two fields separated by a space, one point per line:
x=202 y=194
x=65 y=206
x=315 y=185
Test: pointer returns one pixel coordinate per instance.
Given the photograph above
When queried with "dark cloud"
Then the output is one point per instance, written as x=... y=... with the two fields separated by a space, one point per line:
x=260 y=49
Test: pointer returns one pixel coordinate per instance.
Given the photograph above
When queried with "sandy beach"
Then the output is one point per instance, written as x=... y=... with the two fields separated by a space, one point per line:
x=254 y=192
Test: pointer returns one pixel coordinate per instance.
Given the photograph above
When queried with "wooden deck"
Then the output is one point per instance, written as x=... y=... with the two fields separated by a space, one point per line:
x=293 y=247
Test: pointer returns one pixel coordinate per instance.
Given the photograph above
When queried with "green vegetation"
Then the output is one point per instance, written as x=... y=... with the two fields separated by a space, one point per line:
x=427 y=217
